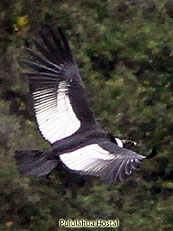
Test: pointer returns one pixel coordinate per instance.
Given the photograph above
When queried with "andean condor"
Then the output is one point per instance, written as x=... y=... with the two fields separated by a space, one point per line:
x=65 y=119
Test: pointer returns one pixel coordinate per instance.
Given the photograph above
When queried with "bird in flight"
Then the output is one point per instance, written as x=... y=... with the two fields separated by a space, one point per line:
x=65 y=119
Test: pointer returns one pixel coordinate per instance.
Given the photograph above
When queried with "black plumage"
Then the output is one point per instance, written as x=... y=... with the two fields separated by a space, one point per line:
x=65 y=119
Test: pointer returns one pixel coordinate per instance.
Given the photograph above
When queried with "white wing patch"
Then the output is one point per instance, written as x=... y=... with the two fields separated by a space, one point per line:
x=54 y=113
x=86 y=158
x=94 y=160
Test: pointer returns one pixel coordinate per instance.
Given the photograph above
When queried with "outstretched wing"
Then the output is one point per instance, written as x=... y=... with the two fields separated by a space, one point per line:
x=104 y=159
x=60 y=103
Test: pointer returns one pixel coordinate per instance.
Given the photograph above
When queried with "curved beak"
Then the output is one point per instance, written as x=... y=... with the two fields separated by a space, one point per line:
x=152 y=154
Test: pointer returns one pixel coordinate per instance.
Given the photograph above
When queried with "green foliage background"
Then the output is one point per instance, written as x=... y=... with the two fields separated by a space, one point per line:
x=124 y=50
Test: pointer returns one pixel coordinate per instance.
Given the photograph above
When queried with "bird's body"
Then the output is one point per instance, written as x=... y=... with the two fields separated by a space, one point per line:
x=65 y=119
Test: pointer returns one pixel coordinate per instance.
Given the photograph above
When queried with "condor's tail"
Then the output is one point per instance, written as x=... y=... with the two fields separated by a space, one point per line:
x=34 y=162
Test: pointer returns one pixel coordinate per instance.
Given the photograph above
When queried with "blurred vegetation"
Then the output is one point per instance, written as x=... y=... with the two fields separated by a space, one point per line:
x=124 y=50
